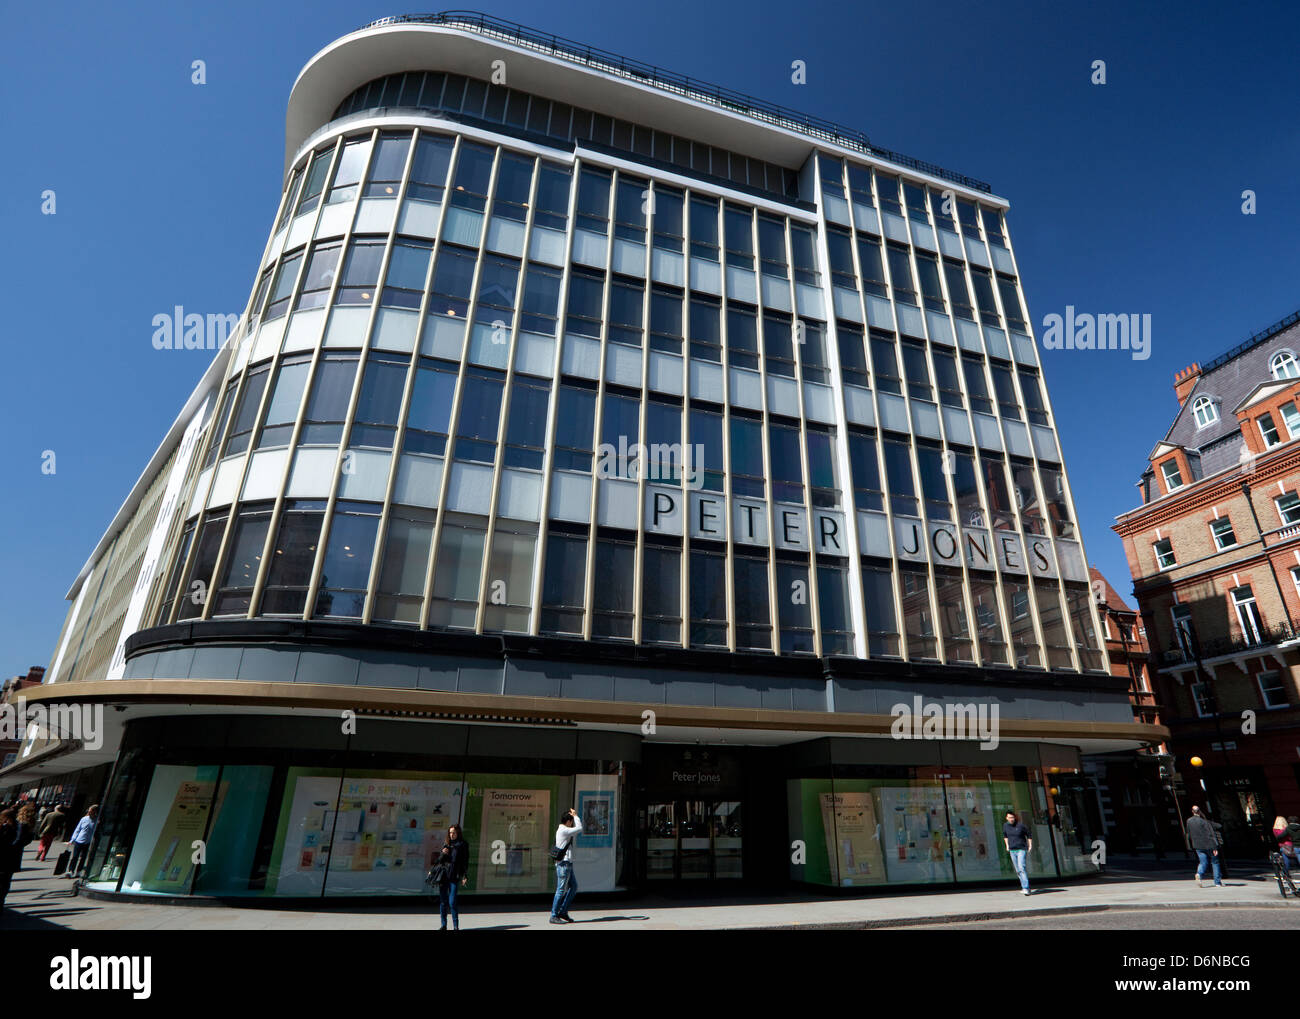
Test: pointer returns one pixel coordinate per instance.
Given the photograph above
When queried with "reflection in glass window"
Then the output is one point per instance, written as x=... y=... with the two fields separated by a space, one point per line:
x=885 y=360
x=457 y=571
x=317 y=281
x=385 y=177
x=565 y=583
x=612 y=598
x=292 y=556
x=1078 y=597
x=428 y=420
x=708 y=586
x=526 y=428
x=742 y=336
x=429 y=168
x=541 y=300
x=514 y=184
x=375 y=422
x=453 y=279
x=898 y=469
x=750 y=591
x=593 y=200
x=1031 y=513
x=407 y=268
x=250 y=401
x=668 y=205
x=950 y=593
x=586 y=302
x=631 y=198
x=315 y=183
x=706 y=330
x=976 y=385
x=1011 y=303
x=873 y=268
x=746 y=457
x=918 y=616
x=327 y=406
x=704 y=229
x=1055 y=636
x=988 y=620
x=575 y=424
x=958 y=291
x=984 y=297
x=833 y=606
x=1024 y=642
x=553 y=186
x=361 y=271
x=706 y=437
x=399 y=594
x=347 y=176
x=286 y=397
x=945 y=375
x=1058 y=508
x=510 y=579
x=867 y=490
x=787 y=467
x=479 y=422
x=900 y=270
x=878 y=596
x=995 y=484
x=930 y=462
x=472 y=177
x=285 y=278
x=194 y=593
x=740 y=239
x=794 y=606
x=661 y=594
x=820 y=445
x=345 y=571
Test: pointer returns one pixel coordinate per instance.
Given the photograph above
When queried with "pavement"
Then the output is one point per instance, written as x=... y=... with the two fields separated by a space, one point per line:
x=40 y=901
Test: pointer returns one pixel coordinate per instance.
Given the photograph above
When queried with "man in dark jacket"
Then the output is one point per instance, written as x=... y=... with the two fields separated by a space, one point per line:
x=1202 y=838
x=1018 y=840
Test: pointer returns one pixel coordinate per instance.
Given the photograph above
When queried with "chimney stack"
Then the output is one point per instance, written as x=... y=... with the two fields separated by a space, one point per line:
x=1185 y=381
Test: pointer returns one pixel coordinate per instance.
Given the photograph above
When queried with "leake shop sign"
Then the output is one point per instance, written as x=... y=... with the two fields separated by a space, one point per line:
x=748 y=522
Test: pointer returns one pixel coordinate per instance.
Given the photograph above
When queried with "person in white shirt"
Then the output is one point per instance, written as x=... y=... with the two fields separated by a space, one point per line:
x=566 y=884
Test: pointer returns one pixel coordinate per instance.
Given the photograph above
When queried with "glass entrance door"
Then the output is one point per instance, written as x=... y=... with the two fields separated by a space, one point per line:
x=692 y=840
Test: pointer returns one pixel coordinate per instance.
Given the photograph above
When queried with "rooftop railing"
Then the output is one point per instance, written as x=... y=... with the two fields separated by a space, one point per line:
x=677 y=84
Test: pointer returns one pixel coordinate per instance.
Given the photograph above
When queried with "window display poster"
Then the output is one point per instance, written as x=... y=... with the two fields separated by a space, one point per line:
x=172 y=863
x=915 y=833
x=595 y=853
x=363 y=834
x=852 y=836
x=975 y=828
x=520 y=824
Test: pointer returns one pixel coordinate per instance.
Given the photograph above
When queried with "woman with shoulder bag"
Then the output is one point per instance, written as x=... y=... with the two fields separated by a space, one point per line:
x=451 y=873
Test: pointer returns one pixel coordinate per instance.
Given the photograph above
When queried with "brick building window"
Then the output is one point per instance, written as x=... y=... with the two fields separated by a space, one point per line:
x=1288 y=508
x=1268 y=430
x=1272 y=689
x=1164 y=550
x=1224 y=537
x=1173 y=476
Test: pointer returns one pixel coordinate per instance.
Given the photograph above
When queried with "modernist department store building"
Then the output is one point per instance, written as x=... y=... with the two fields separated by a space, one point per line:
x=593 y=437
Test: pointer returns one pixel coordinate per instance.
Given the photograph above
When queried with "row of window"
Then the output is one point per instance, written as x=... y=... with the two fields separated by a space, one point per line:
x=924 y=205
x=672 y=431
x=497 y=104
x=471 y=573
x=631 y=203
x=1288 y=512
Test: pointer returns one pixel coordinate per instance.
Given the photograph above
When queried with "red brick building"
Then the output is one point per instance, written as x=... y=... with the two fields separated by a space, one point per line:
x=1135 y=790
x=1214 y=550
x=9 y=694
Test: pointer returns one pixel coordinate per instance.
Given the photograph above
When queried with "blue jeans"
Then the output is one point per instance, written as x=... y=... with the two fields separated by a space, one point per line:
x=566 y=887
x=447 y=902
x=1018 y=862
x=1288 y=862
x=1207 y=856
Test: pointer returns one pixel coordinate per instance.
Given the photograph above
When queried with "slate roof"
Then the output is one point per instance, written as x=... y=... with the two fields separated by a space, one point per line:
x=1228 y=380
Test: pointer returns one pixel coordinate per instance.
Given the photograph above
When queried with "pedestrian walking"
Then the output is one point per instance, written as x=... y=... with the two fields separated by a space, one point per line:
x=1018 y=840
x=566 y=883
x=1202 y=837
x=454 y=859
x=50 y=830
x=80 y=840
x=15 y=834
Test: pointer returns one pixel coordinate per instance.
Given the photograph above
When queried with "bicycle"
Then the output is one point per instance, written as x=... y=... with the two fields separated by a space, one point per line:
x=1285 y=882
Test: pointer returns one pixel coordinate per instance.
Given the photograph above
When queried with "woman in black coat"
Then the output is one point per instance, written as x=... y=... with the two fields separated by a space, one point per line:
x=455 y=854
x=14 y=836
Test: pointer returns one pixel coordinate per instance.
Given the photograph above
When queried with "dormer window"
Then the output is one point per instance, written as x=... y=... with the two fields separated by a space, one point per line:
x=1268 y=430
x=1284 y=365
x=1205 y=411
x=1173 y=476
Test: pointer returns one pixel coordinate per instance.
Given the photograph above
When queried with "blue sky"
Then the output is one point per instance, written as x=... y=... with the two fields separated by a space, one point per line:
x=1125 y=198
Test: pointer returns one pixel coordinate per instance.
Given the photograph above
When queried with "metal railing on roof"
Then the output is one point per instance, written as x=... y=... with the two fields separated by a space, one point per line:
x=678 y=84
x=1258 y=338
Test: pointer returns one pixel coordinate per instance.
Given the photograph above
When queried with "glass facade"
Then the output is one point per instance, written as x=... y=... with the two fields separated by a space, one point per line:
x=437 y=340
